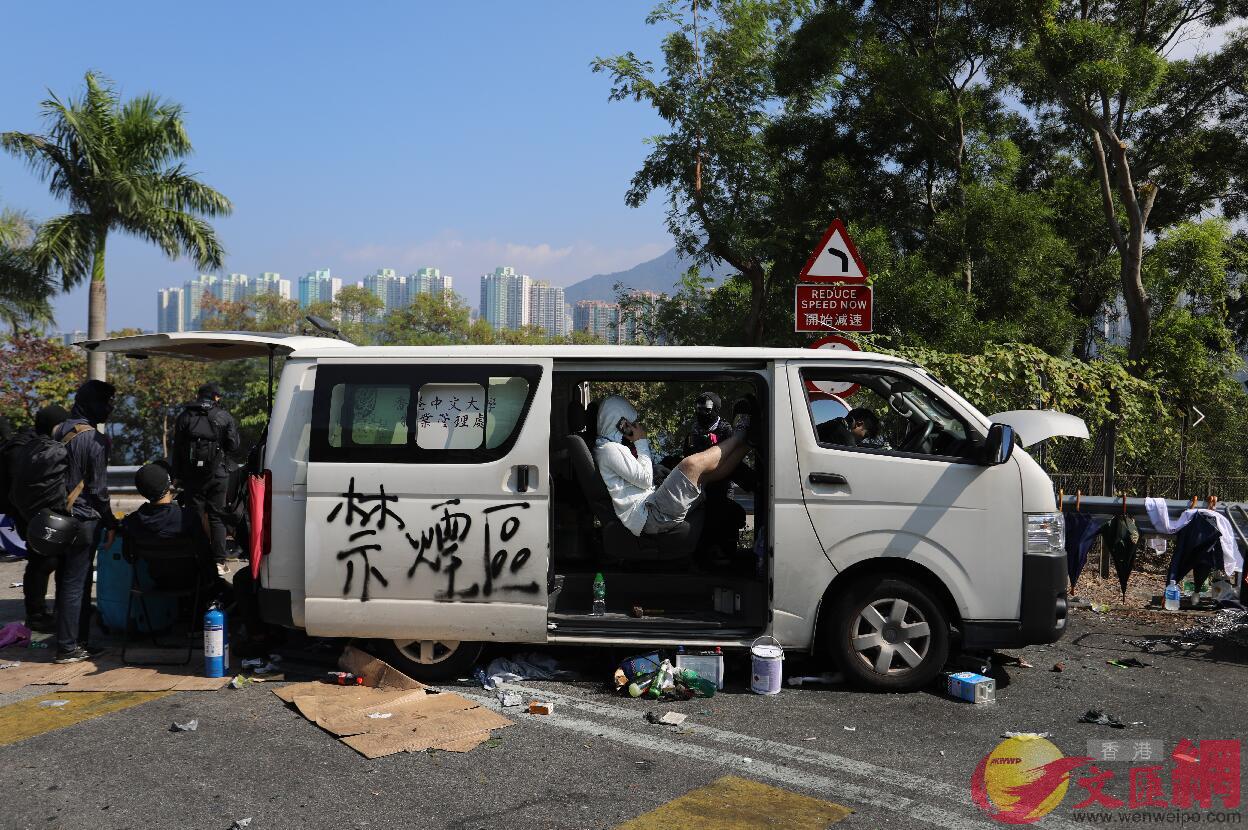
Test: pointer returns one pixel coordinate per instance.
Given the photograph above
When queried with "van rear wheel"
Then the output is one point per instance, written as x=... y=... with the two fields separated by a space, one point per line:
x=429 y=660
x=889 y=634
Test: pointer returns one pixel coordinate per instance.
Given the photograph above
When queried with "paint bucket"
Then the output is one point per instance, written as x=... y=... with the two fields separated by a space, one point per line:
x=767 y=661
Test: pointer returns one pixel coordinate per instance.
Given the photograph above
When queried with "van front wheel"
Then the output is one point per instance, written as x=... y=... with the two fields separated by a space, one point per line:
x=429 y=660
x=888 y=634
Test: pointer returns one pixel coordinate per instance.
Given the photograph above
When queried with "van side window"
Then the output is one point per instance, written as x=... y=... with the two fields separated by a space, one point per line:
x=407 y=414
x=880 y=412
x=378 y=414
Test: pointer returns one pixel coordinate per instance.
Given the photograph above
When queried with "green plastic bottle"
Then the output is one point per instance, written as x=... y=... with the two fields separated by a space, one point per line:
x=696 y=683
x=600 y=596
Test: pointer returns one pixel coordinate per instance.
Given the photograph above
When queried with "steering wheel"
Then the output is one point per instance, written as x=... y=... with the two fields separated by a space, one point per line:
x=914 y=445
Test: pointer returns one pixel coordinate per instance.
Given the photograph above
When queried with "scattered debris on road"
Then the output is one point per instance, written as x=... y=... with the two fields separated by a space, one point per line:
x=1128 y=663
x=540 y=707
x=52 y=704
x=241 y=824
x=667 y=718
x=509 y=698
x=1058 y=667
x=189 y=726
x=1101 y=718
x=971 y=687
x=1024 y=735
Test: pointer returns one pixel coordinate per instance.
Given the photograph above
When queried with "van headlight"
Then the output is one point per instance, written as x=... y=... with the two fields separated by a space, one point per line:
x=1046 y=534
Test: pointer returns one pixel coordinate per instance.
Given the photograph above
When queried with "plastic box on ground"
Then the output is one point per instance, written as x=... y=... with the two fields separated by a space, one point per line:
x=972 y=687
x=709 y=664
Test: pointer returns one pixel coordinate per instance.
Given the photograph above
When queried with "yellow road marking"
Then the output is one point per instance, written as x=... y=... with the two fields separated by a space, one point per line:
x=26 y=718
x=733 y=803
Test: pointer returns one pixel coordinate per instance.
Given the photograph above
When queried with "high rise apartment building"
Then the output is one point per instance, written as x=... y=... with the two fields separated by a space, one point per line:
x=599 y=318
x=547 y=309
x=169 y=310
x=270 y=283
x=429 y=281
x=318 y=287
x=505 y=298
x=388 y=287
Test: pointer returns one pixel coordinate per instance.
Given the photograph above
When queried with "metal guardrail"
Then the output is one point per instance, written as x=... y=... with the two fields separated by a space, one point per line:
x=1235 y=512
x=121 y=479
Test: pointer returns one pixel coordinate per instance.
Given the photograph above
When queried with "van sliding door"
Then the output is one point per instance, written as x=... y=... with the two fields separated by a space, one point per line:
x=428 y=500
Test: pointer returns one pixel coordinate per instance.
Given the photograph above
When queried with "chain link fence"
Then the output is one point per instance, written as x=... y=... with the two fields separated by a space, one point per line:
x=1199 y=460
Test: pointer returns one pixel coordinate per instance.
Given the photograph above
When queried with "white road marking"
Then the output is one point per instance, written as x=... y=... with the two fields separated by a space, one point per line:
x=750 y=746
x=827 y=787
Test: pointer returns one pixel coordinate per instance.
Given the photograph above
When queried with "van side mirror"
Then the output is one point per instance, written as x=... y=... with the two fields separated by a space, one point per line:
x=999 y=445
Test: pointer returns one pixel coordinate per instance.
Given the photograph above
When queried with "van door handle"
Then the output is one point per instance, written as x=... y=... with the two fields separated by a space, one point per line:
x=522 y=478
x=827 y=478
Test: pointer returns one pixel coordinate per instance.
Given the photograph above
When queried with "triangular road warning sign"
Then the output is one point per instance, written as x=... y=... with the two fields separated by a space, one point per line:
x=835 y=259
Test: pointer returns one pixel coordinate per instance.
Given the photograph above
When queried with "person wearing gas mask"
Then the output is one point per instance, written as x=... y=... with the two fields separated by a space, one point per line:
x=724 y=517
x=88 y=465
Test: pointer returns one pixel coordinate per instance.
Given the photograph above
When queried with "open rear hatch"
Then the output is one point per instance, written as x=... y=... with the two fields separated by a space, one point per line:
x=209 y=346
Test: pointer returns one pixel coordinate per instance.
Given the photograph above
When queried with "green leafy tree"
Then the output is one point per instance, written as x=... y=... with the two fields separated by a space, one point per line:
x=150 y=394
x=358 y=309
x=36 y=374
x=25 y=283
x=717 y=93
x=117 y=164
x=1165 y=137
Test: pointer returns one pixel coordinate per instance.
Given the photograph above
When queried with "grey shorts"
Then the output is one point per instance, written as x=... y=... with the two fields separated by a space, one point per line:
x=670 y=502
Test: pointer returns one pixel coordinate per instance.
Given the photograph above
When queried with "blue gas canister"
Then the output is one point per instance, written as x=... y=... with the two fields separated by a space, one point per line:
x=216 y=642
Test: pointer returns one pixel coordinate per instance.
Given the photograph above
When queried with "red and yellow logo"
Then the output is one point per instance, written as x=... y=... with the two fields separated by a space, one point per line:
x=1022 y=780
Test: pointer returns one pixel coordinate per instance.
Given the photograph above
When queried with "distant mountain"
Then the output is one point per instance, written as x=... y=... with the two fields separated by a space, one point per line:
x=661 y=274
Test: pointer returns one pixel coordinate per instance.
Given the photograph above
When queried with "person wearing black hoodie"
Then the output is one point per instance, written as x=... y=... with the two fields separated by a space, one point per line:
x=88 y=464
x=38 y=568
x=204 y=428
x=161 y=518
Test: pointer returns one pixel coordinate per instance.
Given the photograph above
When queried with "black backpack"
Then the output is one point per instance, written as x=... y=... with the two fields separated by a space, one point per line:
x=198 y=445
x=10 y=451
x=41 y=475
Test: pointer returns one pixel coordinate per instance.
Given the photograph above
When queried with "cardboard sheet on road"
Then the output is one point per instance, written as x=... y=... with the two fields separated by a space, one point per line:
x=416 y=719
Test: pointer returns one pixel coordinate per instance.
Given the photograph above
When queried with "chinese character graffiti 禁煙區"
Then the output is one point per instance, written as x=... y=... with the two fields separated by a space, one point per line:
x=369 y=569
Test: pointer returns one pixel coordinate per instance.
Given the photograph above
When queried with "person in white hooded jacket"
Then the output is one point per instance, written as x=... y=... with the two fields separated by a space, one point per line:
x=623 y=455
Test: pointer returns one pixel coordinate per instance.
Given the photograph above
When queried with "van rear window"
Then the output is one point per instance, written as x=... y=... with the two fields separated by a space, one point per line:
x=419 y=414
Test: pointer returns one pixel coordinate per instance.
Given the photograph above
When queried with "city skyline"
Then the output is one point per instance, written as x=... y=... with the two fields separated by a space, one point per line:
x=508 y=300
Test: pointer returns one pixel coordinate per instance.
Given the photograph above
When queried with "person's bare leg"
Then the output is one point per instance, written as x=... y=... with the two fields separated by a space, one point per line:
x=728 y=464
x=725 y=457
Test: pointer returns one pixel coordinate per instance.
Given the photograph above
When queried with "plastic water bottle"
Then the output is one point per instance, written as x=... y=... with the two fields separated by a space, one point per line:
x=216 y=642
x=600 y=596
x=1172 y=596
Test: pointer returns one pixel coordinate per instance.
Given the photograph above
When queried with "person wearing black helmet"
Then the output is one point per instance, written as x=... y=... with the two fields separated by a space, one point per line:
x=88 y=467
x=203 y=435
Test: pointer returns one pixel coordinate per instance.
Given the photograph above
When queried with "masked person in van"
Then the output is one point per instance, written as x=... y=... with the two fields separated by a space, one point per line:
x=622 y=452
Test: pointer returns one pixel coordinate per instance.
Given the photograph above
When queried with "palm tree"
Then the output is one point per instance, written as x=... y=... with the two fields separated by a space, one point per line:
x=25 y=285
x=116 y=164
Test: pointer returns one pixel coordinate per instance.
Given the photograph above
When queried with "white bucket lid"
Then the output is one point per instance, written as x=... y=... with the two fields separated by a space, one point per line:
x=768 y=652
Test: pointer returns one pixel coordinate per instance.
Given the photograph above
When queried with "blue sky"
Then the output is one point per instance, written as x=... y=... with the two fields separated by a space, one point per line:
x=457 y=135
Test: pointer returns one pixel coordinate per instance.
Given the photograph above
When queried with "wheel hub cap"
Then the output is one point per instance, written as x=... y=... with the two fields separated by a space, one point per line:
x=891 y=636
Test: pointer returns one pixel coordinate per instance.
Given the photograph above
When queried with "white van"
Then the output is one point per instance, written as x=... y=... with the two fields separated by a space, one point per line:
x=436 y=498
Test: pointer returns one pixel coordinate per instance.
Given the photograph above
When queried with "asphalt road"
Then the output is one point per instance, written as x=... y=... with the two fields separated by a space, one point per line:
x=902 y=761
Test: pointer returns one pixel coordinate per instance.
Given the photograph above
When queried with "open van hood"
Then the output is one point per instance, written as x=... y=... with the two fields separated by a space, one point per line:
x=1035 y=425
x=207 y=346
